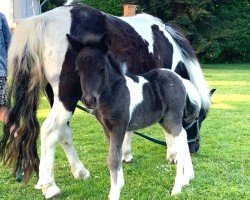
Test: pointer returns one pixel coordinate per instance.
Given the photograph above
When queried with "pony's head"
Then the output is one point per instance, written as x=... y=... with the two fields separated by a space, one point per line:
x=92 y=65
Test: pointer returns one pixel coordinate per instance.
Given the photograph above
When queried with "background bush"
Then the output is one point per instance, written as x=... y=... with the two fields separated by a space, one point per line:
x=219 y=30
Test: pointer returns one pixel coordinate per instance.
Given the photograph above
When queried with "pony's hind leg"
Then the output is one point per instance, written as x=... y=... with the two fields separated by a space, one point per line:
x=126 y=147
x=77 y=168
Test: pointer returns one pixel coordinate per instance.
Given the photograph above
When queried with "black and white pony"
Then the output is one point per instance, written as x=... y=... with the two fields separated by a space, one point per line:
x=128 y=102
x=39 y=58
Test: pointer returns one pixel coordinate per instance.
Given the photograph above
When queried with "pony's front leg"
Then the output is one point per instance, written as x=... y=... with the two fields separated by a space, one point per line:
x=50 y=133
x=77 y=168
x=115 y=164
x=126 y=147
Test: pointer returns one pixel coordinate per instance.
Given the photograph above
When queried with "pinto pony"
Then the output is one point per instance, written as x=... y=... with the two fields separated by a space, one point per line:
x=128 y=102
x=39 y=59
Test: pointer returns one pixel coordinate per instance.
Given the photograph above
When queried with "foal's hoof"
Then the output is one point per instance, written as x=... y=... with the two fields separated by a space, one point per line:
x=82 y=174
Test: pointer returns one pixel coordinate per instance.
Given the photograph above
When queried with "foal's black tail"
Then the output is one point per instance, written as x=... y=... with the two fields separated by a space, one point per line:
x=25 y=78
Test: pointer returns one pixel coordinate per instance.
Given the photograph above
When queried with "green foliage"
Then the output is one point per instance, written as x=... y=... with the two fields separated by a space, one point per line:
x=219 y=30
x=109 y=6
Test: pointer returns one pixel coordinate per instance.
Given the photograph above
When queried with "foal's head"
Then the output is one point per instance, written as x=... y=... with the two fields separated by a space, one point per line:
x=92 y=65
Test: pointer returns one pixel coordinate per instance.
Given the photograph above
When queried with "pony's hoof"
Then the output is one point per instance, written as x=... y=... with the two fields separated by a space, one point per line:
x=82 y=174
x=175 y=191
x=51 y=191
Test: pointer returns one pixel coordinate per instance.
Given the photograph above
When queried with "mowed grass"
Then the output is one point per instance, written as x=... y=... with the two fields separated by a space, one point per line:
x=222 y=166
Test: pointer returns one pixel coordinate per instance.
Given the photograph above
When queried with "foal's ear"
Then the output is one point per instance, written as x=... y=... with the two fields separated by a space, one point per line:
x=105 y=42
x=74 y=44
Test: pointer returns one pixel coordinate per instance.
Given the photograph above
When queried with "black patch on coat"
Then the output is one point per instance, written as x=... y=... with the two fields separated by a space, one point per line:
x=163 y=49
x=69 y=86
x=182 y=71
x=127 y=46
x=86 y=21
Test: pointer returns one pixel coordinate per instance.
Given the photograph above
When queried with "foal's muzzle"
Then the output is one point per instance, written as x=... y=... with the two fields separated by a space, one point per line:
x=89 y=101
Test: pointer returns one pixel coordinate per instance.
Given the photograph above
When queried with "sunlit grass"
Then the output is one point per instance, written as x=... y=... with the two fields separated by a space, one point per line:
x=222 y=165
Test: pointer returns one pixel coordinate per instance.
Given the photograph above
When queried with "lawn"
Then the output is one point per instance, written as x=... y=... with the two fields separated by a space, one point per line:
x=222 y=166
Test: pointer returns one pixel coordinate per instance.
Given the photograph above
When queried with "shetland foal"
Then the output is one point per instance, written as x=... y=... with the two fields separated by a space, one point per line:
x=124 y=103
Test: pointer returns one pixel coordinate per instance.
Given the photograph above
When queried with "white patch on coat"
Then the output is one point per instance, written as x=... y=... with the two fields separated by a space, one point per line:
x=55 y=43
x=135 y=91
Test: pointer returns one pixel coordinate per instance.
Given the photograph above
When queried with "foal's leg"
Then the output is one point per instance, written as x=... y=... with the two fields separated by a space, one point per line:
x=77 y=168
x=126 y=147
x=115 y=164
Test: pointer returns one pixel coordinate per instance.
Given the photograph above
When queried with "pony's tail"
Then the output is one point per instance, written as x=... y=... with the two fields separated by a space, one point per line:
x=25 y=78
x=191 y=63
x=193 y=102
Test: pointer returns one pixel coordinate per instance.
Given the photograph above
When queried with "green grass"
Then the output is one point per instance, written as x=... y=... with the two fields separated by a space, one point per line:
x=222 y=165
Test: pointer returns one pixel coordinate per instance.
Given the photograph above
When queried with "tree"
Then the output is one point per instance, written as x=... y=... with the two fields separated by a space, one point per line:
x=217 y=29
